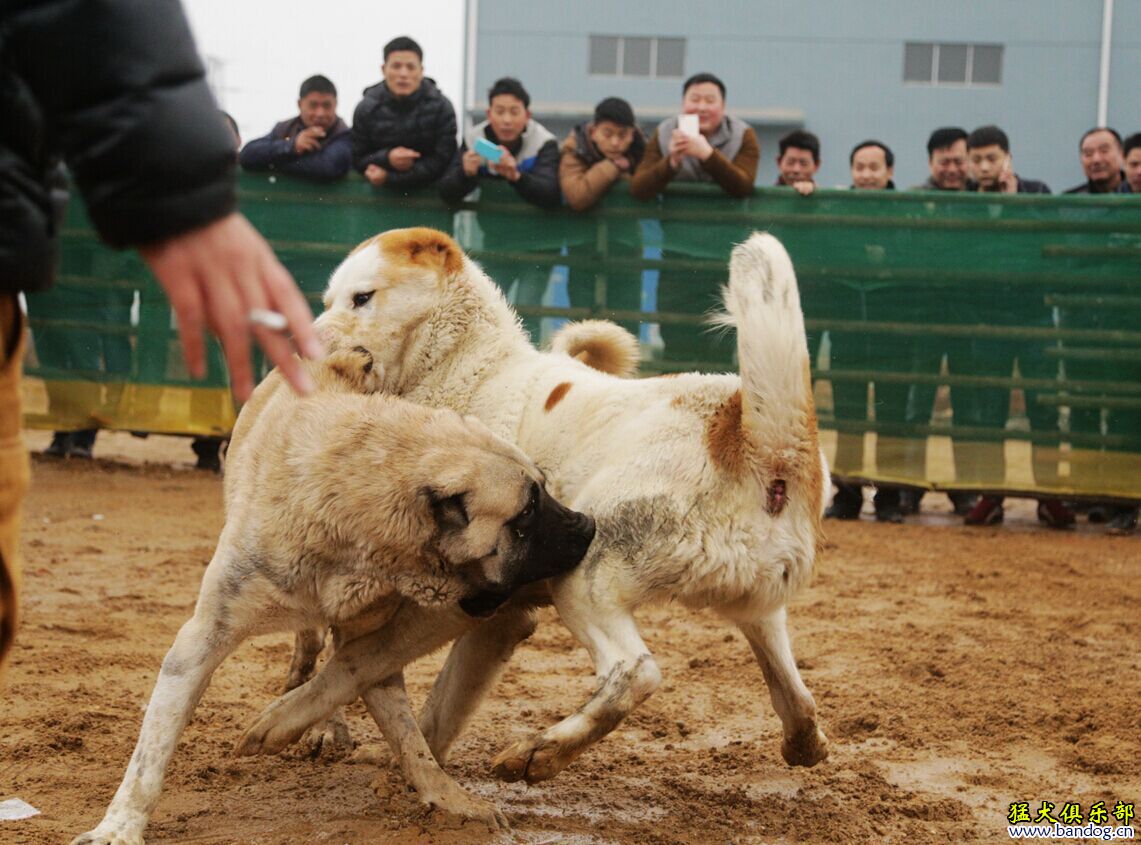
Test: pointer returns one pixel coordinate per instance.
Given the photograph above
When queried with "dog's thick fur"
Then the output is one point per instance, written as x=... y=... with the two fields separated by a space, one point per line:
x=706 y=489
x=364 y=513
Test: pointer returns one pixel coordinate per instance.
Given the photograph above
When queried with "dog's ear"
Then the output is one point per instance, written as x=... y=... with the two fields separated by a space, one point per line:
x=423 y=247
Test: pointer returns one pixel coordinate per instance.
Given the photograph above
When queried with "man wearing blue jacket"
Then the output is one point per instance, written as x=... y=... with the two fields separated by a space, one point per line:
x=316 y=144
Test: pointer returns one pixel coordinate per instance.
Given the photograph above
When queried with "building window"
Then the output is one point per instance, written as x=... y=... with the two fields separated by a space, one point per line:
x=637 y=56
x=952 y=64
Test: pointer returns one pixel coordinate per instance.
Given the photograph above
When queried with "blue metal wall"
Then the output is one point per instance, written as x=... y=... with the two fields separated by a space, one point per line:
x=839 y=65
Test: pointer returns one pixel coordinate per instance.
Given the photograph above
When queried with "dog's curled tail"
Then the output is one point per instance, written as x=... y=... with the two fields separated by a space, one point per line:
x=777 y=413
x=600 y=344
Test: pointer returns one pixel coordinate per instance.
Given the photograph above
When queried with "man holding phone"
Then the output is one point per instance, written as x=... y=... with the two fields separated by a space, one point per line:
x=509 y=145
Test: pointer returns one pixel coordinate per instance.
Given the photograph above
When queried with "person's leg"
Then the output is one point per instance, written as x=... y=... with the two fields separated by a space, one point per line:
x=14 y=471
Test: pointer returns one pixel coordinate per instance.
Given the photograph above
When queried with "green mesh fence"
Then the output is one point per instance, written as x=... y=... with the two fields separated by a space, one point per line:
x=958 y=341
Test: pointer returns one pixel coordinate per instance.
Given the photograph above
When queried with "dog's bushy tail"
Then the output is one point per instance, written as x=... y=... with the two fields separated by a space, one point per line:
x=778 y=416
x=600 y=344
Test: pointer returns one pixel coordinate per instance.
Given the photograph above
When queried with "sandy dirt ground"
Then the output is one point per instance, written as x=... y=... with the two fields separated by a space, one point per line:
x=957 y=670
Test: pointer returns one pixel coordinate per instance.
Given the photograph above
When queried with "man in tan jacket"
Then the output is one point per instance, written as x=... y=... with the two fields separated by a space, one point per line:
x=597 y=154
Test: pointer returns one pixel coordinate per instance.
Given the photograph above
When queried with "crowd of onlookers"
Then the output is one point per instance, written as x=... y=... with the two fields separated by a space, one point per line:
x=404 y=136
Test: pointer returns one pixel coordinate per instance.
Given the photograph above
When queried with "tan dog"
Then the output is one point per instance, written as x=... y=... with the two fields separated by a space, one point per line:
x=706 y=489
x=365 y=513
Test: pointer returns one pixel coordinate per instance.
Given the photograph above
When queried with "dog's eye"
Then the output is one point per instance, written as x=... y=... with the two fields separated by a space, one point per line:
x=361 y=299
x=532 y=503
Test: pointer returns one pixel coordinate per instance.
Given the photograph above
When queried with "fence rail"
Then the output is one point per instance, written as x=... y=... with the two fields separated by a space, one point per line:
x=944 y=329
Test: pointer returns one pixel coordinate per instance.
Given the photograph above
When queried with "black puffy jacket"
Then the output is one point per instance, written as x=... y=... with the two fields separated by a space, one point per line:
x=116 y=89
x=423 y=121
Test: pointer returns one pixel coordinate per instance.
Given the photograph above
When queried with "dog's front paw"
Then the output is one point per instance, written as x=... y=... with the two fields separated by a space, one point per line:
x=453 y=807
x=356 y=368
x=533 y=760
x=108 y=836
x=331 y=741
x=272 y=733
x=805 y=748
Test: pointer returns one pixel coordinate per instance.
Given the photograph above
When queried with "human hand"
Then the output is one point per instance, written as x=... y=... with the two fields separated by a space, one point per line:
x=376 y=175
x=1007 y=181
x=402 y=158
x=471 y=162
x=694 y=146
x=507 y=167
x=308 y=140
x=804 y=188
x=214 y=277
x=622 y=163
x=674 y=151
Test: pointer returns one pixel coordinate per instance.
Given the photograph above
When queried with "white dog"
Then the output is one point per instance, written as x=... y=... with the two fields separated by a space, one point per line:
x=706 y=489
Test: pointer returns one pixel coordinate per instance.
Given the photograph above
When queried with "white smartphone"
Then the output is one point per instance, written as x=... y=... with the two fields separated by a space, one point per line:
x=688 y=124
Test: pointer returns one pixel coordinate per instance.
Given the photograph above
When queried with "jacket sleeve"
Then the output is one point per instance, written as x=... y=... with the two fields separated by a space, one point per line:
x=124 y=97
x=363 y=152
x=541 y=186
x=431 y=165
x=736 y=177
x=584 y=185
x=653 y=173
x=326 y=164
x=455 y=184
x=264 y=153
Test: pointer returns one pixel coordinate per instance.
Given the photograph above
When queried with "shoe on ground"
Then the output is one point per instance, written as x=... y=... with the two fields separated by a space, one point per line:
x=987 y=511
x=61 y=440
x=963 y=502
x=847 y=502
x=909 y=501
x=1054 y=513
x=79 y=450
x=1124 y=522
x=889 y=514
x=208 y=463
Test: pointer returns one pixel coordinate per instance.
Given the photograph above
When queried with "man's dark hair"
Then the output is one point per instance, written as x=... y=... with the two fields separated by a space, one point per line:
x=509 y=85
x=403 y=43
x=699 y=78
x=944 y=137
x=984 y=136
x=888 y=155
x=1131 y=143
x=318 y=83
x=616 y=110
x=1112 y=132
x=802 y=140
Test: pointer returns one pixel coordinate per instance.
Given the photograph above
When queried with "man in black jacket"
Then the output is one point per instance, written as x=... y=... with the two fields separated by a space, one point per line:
x=315 y=144
x=117 y=90
x=404 y=130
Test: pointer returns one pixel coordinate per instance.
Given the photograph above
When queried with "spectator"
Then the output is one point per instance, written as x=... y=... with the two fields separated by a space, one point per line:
x=1132 y=152
x=597 y=154
x=314 y=144
x=991 y=170
x=798 y=161
x=872 y=164
x=947 y=160
x=132 y=115
x=530 y=154
x=1101 y=153
x=725 y=149
x=529 y=162
x=404 y=130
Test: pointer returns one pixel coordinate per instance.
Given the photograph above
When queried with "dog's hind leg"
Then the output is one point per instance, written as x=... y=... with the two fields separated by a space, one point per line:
x=627 y=675
x=202 y=643
x=474 y=664
x=804 y=743
x=387 y=703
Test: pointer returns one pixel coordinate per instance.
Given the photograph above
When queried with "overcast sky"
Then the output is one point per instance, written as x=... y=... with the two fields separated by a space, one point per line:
x=259 y=52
